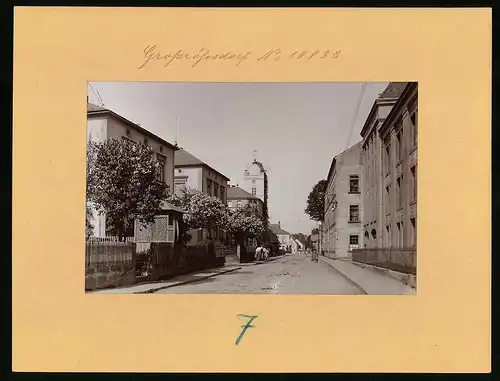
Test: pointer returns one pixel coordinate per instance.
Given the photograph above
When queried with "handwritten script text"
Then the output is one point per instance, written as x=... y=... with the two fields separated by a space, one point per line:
x=152 y=54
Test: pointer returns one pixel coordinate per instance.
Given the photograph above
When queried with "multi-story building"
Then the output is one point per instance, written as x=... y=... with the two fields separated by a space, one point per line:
x=104 y=124
x=193 y=173
x=371 y=159
x=399 y=172
x=238 y=198
x=284 y=237
x=343 y=206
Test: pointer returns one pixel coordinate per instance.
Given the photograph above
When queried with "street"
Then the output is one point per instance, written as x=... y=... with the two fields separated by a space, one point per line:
x=292 y=274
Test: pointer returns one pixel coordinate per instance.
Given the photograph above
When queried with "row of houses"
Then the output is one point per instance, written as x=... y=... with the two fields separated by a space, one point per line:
x=371 y=193
x=180 y=169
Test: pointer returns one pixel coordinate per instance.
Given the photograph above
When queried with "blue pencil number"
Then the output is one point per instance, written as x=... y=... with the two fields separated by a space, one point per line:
x=248 y=324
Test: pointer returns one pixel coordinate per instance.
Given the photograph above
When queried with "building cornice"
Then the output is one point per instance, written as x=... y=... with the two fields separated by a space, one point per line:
x=91 y=114
x=396 y=109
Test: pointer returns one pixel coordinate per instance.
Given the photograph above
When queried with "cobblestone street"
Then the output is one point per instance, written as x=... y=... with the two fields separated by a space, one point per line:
x=292 y=274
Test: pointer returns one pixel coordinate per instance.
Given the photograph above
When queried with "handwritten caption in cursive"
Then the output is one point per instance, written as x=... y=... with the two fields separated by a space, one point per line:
x=248 y=324
x=153 y=54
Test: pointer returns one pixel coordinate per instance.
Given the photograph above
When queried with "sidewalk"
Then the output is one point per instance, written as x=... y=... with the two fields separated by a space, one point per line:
x=148 y=288
x=370 y=281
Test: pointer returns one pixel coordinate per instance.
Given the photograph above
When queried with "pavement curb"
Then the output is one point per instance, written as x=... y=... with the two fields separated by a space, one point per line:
x=345 y=276
x=153 y=290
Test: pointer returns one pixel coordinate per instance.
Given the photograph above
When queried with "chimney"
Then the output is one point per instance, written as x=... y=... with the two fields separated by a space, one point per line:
x=279 y=224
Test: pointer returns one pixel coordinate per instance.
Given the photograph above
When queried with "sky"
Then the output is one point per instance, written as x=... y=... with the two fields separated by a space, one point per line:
x=296 y=128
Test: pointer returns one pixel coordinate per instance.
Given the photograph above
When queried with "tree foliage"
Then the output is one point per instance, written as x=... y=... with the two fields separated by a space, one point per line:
x=203 y=211
x=300 y=236
x=123 y=181
x=316 y=201
x=245 y=221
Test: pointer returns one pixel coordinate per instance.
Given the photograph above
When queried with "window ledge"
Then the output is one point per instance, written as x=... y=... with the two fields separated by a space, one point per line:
x=399 y=163
x=355 y=192
x=413 y=202
x=399 y=209
x=354 y=222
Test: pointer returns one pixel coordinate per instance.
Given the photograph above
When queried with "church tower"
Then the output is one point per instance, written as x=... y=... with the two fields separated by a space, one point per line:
x=254 y=180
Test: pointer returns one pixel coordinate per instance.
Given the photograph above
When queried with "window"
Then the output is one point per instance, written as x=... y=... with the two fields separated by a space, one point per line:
x=388 y=199
x=387 y=158
x=216 y=190
x=400 y=234
x=128 y=133
x=238 y=204
x=161 y=148
x=388 y=236
x=145 y=141
x=353 y=242
x=353 y=213
x=254 y=191
x=230 y=204
x=209 y=187
x=253 y=181
x=399 y=182
x=413 y=184
x=354 y=184
x=222 y=193
x=414 y=231
x=399 y=148
x=413 y=122
x=162 y=172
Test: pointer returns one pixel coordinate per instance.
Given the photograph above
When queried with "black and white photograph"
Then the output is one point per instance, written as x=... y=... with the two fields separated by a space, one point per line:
x=251 y=188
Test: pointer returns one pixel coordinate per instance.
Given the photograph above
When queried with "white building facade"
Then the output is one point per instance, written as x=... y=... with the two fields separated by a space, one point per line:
x=343 y=205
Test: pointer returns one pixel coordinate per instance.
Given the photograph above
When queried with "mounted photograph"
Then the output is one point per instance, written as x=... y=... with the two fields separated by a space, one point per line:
x=251 y=188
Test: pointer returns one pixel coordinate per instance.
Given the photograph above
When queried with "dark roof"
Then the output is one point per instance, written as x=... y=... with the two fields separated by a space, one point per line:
x=278 y=230
x=184 y=159
x=396 y=108
x=393 y=90
x=391 y=93
x=236 y=193
x=93 y=110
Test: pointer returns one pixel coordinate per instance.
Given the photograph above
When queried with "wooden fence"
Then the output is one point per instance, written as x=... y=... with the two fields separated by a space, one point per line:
x=109 y=262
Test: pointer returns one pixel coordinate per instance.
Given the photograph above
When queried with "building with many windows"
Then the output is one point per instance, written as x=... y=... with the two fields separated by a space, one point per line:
x=104 y=124
x=193 y=173
x=399 y=141
x=343 y=205
x=371 y=159
x=238 y=198
x=389 y=158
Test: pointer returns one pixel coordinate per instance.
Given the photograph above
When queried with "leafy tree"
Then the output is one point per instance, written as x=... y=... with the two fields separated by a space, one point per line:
x=123 y=181
x=245 y=221
x=300 y=236
x=316 y=202
x=203 y=211
x=88 y=225
x=309 y=244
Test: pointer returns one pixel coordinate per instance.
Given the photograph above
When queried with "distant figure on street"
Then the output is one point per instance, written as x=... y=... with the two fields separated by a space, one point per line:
x=258 y=253
x=266 y=253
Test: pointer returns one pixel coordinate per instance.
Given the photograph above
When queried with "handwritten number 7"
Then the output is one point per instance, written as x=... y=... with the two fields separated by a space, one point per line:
x=250 y=318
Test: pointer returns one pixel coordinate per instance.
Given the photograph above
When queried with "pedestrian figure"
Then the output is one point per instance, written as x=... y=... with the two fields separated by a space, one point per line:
x=266 y=253
x=258 y=253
